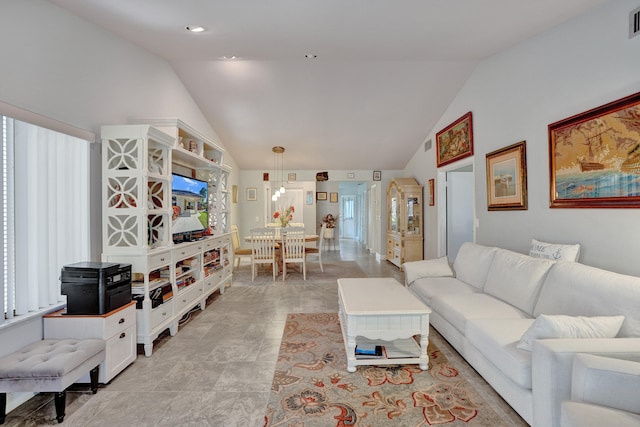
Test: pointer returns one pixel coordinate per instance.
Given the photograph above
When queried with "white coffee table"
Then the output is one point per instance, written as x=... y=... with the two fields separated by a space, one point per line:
x=382 y=309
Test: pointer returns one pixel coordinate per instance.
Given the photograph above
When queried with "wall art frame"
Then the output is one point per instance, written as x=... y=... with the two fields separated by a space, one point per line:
x=291 y=177
x=377 y=175
x=432 y=192
x=507 y=178
x=594 y=157
x=252 y=194
x=333 y=197
x=455 y=141
x=321 y=195
x=234 y=194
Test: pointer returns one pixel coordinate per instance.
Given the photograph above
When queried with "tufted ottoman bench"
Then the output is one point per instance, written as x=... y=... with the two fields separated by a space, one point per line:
x=50 y=366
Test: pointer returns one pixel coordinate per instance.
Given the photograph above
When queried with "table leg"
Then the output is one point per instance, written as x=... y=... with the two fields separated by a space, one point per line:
x=424 y=356
x=351 y=354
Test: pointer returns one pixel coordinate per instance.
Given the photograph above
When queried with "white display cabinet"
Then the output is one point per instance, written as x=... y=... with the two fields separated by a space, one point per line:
x=169 y=279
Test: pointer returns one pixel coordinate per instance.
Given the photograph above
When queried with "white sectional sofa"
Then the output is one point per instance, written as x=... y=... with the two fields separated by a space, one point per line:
x=495 y=303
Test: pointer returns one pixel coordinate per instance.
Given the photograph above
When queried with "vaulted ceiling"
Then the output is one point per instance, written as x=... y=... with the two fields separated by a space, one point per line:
x=380 y=75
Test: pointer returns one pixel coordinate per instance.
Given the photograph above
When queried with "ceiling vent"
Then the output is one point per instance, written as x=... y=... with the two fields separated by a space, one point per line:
x=634 y=23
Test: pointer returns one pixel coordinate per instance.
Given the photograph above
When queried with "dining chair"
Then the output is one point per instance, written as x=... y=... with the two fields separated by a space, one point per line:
x=263 y=250
x=238 y=252
x=292 y=249
x=318 y=250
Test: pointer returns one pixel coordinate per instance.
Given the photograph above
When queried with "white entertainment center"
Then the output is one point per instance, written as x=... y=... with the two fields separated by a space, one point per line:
x=169 y=279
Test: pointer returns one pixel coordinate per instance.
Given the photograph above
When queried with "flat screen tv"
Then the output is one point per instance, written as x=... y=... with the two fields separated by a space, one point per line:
x=190 y=208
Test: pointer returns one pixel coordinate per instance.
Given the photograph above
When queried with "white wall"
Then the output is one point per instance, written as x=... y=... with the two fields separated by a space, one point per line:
x=70 y=70
x=514 y=96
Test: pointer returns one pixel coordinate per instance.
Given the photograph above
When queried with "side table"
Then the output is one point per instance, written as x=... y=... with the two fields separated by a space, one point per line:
x=117 y=328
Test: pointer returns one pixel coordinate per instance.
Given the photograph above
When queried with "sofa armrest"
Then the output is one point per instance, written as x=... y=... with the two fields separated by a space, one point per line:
x=552 y=365
x=606 y=381
x=415 y=270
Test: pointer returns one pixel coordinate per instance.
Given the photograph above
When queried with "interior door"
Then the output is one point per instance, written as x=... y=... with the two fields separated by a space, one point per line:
x=460 y=201
x=347 y=222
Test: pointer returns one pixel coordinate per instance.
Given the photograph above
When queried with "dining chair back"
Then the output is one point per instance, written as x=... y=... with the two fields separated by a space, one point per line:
x=263 y=250
x=292 y=249
x=317 y=251
x=238 y=252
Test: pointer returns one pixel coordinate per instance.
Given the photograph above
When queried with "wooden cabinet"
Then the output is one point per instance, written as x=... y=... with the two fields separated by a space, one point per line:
x=117 y=328
x=404 y=221
x=169 y=279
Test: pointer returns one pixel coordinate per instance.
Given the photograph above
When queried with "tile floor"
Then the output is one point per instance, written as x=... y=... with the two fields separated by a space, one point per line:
x=217 y=370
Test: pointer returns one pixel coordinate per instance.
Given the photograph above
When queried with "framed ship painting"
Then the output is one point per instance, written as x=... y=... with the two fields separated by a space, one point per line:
x=455 y=142
x=594 y=157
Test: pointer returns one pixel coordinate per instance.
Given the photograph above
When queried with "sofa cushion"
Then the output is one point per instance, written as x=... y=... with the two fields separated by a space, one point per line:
x=554 y=251
x=579 y=290
x=516 y=278
x=438 y=267
x=560 y=326
x=459 y=308
x=472 y=263
x=496 y=340
x=427 y=288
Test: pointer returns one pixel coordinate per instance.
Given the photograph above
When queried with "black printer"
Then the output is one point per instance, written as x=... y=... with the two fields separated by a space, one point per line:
x=96 y=287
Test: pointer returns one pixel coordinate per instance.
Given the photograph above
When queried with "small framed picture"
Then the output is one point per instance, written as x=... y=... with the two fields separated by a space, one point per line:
x=333 y=197
x=377 y=175
x=309 y=197
x=265 y=176
x=432 y=192
x=507 y=178
x=252 y=194
x=234 y=194
x=291 y=177
x=321 y=195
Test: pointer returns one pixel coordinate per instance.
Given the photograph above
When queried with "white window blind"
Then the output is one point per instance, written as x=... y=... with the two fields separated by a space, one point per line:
x=45 y=213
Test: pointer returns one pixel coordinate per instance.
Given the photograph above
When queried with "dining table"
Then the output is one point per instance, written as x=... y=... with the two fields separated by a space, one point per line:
x=307 y=238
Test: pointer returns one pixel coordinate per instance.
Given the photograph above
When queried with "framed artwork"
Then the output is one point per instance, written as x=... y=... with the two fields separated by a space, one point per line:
x=309 y=197
x=234 y=194
x=432 y=192
x=455 y=142
x=265 y=176
x=507 y=178
x=377 y=175
x=321 y=195
x=252 y=194
x=291 y=177
x=594 y=157
x=333 y=197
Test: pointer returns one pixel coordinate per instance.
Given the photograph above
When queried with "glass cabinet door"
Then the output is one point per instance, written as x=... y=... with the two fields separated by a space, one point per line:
x=414 y=213
x=393 y=211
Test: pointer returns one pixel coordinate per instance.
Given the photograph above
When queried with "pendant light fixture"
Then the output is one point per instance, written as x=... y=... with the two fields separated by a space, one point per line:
x=278 y=151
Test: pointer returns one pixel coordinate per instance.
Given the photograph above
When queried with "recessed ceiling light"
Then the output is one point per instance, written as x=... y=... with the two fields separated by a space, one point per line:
x=229 y=57
x=310 y=56
x=194 y=28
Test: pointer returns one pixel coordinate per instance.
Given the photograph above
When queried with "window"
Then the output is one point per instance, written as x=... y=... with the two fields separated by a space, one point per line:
x=45 y=213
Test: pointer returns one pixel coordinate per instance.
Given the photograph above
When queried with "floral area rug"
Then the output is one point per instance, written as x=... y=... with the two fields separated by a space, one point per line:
x=311 y=385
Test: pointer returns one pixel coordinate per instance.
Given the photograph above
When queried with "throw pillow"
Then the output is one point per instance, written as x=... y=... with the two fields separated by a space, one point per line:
x=561 y=326
x=554 y=251
x=438 y=267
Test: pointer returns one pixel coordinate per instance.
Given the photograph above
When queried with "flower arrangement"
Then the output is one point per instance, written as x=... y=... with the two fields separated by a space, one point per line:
x=330 y=220
x=284 y=217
